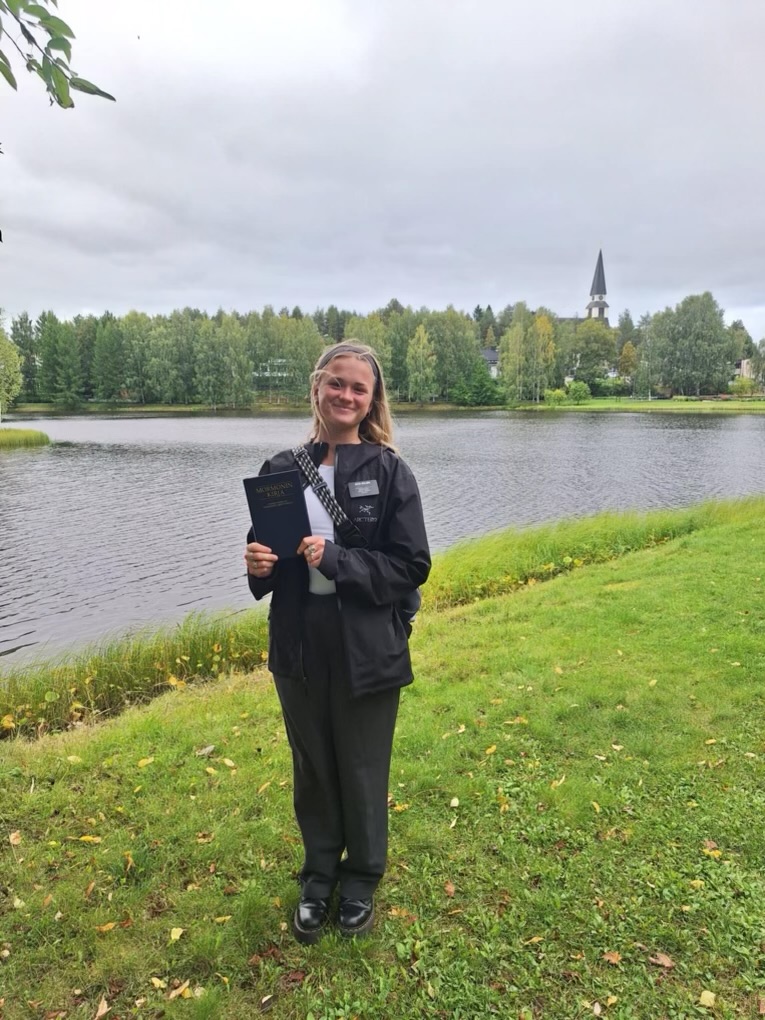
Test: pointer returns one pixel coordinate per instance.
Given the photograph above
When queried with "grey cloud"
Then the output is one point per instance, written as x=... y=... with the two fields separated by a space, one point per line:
x=480 y=152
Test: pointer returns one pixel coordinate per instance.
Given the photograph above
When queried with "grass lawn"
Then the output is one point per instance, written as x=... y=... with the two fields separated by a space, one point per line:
x=577 y=817
x=677 y=406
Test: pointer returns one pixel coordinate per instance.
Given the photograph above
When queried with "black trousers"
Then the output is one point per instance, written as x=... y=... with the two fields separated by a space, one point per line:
x=341 y=750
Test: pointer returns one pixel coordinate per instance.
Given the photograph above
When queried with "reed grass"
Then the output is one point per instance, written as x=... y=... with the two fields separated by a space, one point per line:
x=511 y=559
x=104 y=679
x=12 y=439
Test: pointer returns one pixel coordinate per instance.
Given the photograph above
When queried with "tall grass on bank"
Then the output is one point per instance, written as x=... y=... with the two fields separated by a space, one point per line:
x=12 y=439
x=505 y=561
x=577 y=823
x=105 y=679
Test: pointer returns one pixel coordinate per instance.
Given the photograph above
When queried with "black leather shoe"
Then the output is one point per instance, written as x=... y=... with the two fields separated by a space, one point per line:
x=355 y=917
x=309 y=920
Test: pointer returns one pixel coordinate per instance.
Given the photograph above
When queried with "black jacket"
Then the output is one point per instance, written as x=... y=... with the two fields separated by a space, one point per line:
x=368 y=581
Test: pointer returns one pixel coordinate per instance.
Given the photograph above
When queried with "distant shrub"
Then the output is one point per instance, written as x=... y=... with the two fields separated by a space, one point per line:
x=615 y=387
x=578 y=392
x=742 y=387
x=555 y=397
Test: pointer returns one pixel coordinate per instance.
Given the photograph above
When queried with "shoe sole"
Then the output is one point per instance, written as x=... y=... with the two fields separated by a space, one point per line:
x=306 y=937
x=362 y=929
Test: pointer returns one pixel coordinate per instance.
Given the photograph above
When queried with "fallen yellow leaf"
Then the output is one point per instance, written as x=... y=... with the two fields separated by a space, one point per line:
x=175 y=934
x=144 y=762
x=707 y=999
x=180 y=990
x=158 y=982
x=103 y=1009
x=106 y=927
x=596 y=806
x=491 y=750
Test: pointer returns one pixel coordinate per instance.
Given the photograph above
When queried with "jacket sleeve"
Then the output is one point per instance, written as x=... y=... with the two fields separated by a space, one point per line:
x=261 y=586
x=401 y=561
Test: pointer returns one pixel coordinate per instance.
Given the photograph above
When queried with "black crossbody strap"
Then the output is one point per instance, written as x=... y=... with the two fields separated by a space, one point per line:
x=406 y=607
x=342 y=522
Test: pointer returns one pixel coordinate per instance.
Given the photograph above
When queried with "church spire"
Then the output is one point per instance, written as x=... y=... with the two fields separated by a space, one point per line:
x=598 y=289
x=598 y=306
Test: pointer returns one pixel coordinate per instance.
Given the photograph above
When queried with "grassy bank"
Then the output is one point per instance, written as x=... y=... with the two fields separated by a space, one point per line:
x=104 y=680
x=678 y=405
x=577 y=819
x=13 y=439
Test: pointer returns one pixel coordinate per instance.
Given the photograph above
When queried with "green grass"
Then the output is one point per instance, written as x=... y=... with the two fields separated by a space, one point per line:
x=577 y=818
x=13 y=439
x=677 y=405
x=103 y=680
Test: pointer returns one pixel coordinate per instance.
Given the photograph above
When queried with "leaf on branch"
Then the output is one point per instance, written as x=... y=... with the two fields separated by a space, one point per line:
x=81 y=85
x=55 y=26
x=60 y=86
x=7 y=73
x=59 y=43
x=35 y=11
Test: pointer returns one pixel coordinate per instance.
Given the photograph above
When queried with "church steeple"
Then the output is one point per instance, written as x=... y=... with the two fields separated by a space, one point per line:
x=598 y=306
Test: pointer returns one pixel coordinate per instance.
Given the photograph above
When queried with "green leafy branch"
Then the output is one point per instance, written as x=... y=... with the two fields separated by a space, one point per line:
x=49 y=59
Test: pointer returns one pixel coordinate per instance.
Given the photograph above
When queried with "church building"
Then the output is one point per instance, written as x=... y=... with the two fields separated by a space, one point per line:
x=598 y=306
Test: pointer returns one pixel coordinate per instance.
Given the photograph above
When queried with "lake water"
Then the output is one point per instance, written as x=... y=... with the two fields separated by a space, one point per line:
x=136 y=521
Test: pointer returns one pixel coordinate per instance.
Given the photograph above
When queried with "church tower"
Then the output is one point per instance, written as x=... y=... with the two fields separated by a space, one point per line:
x=598 y=306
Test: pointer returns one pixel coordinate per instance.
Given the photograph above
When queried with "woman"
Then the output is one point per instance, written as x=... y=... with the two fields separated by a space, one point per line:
x=338 y=648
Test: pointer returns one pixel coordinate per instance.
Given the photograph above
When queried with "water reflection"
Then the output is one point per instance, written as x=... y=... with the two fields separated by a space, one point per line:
x=142 y=520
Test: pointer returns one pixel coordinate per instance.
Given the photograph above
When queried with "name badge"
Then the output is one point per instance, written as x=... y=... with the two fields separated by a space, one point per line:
x=368 y=488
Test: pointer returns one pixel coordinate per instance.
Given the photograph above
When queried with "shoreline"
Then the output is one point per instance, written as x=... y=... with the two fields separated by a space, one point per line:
x=621 y=405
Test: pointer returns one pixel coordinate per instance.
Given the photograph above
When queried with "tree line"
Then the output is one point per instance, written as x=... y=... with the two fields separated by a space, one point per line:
x=235 y=360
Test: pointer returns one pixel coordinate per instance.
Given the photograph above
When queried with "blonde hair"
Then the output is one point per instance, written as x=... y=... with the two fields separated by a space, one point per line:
x=377 y=427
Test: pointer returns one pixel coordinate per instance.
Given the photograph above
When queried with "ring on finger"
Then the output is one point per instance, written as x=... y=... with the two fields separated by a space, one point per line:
x=311 y=551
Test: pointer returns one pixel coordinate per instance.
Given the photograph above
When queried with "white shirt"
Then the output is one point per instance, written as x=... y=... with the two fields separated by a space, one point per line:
x=323 y=526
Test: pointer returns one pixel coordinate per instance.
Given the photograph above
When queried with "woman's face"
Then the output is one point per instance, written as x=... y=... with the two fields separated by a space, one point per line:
x=344 y=396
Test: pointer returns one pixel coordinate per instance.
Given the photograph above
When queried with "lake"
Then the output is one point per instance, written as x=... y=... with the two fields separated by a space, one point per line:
x=128 y=522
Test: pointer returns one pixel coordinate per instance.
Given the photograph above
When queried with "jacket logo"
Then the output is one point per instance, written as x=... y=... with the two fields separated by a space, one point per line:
x=366 y=508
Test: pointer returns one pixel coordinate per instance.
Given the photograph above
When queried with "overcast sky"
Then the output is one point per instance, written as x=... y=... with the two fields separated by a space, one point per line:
x=349 y=151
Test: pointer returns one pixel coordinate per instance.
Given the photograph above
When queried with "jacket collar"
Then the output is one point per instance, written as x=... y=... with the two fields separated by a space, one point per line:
x=352 y=455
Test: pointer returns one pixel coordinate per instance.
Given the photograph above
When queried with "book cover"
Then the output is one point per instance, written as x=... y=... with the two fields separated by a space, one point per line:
x=278 y=511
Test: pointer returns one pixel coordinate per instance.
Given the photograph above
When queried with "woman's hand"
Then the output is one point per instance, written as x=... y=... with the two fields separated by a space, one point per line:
x=313 y=550
x=259 y=559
